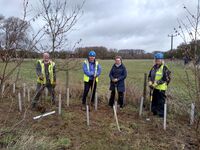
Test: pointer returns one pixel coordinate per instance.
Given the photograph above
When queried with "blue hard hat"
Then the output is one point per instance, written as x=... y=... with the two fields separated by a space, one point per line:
x=159 y=56
x=92 y=54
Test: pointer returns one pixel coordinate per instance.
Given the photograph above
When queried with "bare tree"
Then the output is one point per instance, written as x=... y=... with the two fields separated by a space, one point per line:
x=60 y=17
x=15 y=35
x=67 y=65
x=189 y=31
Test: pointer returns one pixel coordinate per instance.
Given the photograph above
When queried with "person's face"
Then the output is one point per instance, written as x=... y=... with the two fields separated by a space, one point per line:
x=91 y=59
x=118 y=61
x=158 y=61
x=46 y=58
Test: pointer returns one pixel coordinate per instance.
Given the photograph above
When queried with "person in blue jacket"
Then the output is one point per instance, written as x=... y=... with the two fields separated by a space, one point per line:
x=92 y=70
x=117 y=76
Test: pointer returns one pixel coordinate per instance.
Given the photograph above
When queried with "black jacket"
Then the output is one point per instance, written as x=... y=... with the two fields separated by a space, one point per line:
x=120 y=73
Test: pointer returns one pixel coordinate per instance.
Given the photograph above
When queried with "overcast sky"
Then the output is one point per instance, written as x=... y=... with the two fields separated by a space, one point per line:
x=137 y=24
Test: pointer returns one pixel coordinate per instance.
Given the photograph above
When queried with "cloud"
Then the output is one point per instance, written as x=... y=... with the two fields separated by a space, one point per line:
x=123 y=24
x=130 y=24
x=11 y=8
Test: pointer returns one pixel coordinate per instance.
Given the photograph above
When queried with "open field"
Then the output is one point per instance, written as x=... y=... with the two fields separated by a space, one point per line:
x=135 y=69
x=69 y=131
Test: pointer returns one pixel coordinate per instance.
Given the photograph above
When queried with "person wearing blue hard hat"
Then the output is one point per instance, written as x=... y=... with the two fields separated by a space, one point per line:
x=92 y=71
x=158 y=56
x=92 y=54
x=159 y=78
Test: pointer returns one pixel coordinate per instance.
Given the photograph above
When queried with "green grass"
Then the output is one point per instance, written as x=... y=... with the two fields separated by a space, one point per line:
x=135 y=69
x=69 y=130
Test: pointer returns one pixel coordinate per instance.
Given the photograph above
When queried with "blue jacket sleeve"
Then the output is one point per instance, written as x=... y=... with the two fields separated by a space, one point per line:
x=86 y=71
x=98 y=70
x=124 y=74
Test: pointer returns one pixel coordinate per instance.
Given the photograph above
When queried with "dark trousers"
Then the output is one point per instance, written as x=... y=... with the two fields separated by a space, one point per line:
x=158 y=102
x=120 y=98
x=87 y=87
x=40 y=88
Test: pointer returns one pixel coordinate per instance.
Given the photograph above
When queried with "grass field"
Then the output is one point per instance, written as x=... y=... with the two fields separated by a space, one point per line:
x=69 y=131
x=135 y=69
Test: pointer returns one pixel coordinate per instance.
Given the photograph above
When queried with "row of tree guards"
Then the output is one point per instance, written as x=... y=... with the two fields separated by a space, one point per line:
x=26 y=94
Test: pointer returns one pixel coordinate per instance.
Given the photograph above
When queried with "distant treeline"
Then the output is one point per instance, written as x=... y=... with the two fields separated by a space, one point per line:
x=81 y=52
x=184 y=51
x=181 y=52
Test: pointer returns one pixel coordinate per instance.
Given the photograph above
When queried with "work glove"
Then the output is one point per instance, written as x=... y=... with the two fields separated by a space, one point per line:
x=150 y=83
x=54 y=85
x=114 y=80
x=41 y=77
x=95 y=74
x=92 y=73
x=154 y=84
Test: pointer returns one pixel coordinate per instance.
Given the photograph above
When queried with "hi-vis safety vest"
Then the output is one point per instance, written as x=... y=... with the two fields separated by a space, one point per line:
x=87 y=78
x=159 y=75
x=50 y=69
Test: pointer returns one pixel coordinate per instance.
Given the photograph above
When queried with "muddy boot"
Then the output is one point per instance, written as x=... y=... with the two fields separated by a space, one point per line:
x=161 y=115
x=33 y=106
x=83 y=107
x=154 y=113
x=41 y=109
x=91 y=106
x=53 y=102
x=121 y=107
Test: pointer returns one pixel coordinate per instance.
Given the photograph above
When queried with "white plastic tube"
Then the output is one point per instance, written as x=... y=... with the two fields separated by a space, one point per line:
x=43 y=115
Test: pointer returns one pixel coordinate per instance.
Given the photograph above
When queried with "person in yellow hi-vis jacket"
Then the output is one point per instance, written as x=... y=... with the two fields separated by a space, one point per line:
x=159 y=78
x=46 y=74
x=91 y=70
